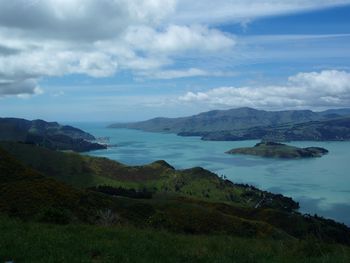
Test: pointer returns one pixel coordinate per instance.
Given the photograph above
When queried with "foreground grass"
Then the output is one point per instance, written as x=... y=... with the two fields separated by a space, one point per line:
x=33 y=242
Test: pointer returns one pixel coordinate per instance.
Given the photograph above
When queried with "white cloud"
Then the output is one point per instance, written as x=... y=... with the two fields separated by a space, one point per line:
x=54 y=38
x=99 y=37
x=80 y=19
x=191 y=72
x=178 y=39
x=102 y=58
x=304 y=90
x=172 y=74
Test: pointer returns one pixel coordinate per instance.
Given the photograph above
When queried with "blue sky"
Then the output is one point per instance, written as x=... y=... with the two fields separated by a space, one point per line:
x=86 y=62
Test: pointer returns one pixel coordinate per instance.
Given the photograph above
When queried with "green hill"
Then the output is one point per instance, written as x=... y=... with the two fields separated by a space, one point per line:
x=86 y=171
x=192 y=201
x=48 y=215
x=27 y=194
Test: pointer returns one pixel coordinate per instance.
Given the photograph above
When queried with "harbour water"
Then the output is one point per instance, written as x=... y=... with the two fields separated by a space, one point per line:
x=321 y=185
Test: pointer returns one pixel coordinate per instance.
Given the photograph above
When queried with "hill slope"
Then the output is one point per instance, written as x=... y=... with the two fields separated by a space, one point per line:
x=86 y=171
x=49 y=134
x=28 y=194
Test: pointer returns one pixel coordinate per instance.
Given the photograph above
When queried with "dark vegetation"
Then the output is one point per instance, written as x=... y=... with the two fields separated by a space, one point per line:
x=120 y=191
x=42 y=243
x=279 y=150
x=48 y=134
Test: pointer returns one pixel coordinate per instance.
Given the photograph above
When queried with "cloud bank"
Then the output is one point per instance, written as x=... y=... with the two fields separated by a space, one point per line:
x=95 y=38
x=98 y=38
x=327 y=88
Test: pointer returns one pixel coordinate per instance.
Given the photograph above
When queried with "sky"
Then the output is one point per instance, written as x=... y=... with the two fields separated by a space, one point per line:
x=129 y=60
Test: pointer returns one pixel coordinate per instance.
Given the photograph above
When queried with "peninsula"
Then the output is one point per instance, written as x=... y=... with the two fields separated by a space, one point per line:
x=51 y=135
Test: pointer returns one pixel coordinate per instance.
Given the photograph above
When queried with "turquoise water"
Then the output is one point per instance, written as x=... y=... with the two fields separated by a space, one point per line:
x=321 y=185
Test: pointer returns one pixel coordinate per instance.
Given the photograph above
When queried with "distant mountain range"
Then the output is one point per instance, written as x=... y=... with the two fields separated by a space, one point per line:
x=325 y=130
x=248 y=123
x=49 y=134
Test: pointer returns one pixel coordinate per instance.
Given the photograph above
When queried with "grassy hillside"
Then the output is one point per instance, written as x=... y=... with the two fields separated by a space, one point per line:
x=85 y=171
x=28 y=194
x=43 y=219
x=34 y=242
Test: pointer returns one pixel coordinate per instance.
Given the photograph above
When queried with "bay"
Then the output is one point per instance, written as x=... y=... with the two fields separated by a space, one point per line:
x=320 y=185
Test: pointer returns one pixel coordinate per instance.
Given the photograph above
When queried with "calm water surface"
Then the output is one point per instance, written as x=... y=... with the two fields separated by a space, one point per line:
x=321 y=185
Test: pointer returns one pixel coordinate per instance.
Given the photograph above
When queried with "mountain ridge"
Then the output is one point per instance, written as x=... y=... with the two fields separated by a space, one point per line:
x=209 y=124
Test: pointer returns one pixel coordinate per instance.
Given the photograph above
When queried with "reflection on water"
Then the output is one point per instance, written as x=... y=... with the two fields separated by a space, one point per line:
x=321 y=185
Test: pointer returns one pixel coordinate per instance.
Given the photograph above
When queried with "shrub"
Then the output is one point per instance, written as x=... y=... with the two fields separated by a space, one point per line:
x=55 y=215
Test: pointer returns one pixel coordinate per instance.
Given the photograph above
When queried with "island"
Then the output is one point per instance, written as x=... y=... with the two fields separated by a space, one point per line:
x=280 y=150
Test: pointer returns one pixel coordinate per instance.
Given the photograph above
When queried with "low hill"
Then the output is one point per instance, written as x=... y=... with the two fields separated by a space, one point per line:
x=228 y=120
x=86 y=171
x=279 y=150
x=49 y=134
x=29 y=195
